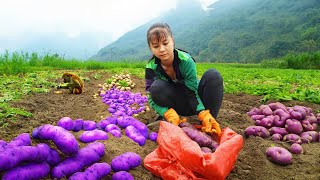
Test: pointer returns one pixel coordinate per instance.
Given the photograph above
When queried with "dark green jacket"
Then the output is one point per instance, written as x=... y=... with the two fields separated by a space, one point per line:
x=186 y=73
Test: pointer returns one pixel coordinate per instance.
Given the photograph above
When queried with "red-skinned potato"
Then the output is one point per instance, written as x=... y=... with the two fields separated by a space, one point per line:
x=309 y=136
x=284 y=115
x=303 y=110
x=257 y=117
x=293 y=126
x=277 y=105
x=296 y=148
x=318 y=118
x=298 y=112
x=266 y=122
x=276 y=137
x=279 y=155
x=254 y=111
x=277 y=121
x=292 y=138
x=257 y=131
x=312 y=119
x=266 y=110
x=307 y=126
x=278 y=130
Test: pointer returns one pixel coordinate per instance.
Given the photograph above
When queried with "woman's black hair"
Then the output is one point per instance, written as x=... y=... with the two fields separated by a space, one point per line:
x=159 y=34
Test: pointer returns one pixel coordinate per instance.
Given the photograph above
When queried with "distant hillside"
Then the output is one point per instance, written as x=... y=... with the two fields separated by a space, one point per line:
x=232 y=31
x=79 y=46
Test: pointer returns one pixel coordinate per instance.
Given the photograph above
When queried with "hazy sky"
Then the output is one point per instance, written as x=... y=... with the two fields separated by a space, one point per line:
x=72 y=17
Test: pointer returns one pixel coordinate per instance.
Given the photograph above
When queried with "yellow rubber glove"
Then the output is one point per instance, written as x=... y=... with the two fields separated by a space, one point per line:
x=172 y=117
x=209 y=123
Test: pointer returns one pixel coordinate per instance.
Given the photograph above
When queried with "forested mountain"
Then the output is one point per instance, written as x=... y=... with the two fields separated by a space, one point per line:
x=231 y=31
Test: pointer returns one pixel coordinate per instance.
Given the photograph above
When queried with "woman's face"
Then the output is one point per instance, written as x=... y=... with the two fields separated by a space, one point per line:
x=162 y=47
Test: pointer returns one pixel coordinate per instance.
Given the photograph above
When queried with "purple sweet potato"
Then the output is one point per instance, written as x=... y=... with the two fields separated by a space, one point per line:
x=95 y=171
x=115 y=133
x=214 y=146
x=110 y=127
x=135 y=135
x=2 y=144
x=125 y=121
x=199 y=137
x=94 y=135
x=153 y=136
x=121 y=175
x=78 y=125
x=21 y=140
x=67 y=123
x=257 y=131
x=89 y=125
x=125 y=161
x=13 y=156
x=206 y=150
x=30 y=170
x=109 y=120
x=186 y=124
x=86 y=156
x=63 y=139
x=279 y=155
x=53 y=157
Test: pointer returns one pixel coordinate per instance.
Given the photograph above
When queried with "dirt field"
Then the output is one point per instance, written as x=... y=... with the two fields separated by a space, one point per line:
x=48 y=108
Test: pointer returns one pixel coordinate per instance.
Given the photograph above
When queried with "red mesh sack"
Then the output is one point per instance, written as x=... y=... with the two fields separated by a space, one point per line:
x=179 y=157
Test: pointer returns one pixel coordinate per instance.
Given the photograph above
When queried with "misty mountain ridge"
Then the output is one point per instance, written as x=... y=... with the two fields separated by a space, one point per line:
x=68 y=45
x=232 y=31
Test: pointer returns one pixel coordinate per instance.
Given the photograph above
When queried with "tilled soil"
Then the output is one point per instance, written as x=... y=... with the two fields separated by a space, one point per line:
x=48 y=108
